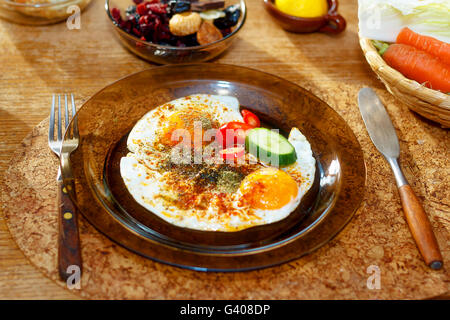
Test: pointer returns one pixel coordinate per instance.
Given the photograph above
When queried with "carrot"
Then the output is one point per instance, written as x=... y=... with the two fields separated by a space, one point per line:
x=419 y=65
x=428 y=44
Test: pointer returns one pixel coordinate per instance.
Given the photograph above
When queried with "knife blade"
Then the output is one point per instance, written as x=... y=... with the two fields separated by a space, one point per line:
x=383 y=135
x=378 y=123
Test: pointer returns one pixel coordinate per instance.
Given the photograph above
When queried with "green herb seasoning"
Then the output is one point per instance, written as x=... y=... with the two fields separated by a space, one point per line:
x=228 y=181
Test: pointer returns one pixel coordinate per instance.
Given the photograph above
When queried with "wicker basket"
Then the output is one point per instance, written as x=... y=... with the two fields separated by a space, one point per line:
x=429 y=103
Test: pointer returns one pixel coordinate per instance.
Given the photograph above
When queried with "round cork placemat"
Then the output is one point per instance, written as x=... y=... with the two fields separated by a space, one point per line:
x=377 y=239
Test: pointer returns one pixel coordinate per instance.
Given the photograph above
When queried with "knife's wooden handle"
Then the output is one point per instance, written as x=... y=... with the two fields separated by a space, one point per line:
x=69 y=241
x=420 y=228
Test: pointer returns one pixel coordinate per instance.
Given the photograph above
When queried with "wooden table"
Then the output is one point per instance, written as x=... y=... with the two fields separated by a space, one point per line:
x=39 y=61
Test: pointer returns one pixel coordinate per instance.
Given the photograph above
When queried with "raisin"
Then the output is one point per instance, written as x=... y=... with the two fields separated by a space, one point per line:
x=232 y=15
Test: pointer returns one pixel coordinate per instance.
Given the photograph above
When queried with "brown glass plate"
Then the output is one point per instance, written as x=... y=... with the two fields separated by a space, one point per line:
x=100 y=195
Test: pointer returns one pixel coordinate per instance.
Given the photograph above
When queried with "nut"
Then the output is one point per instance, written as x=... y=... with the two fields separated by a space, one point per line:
x=212 y=14
x=184 y=24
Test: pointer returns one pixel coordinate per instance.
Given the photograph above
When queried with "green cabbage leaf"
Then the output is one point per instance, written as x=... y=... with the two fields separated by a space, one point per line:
x=383 y=19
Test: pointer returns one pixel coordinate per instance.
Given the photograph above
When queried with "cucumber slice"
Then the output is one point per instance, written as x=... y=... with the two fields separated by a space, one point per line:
x=270 y=147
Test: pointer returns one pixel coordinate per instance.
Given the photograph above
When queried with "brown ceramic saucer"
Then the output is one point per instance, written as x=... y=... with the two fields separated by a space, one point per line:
x=332 y=22
x=100 y=195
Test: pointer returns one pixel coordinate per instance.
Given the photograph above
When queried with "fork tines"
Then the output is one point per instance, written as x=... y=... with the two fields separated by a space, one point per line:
x=56 y=108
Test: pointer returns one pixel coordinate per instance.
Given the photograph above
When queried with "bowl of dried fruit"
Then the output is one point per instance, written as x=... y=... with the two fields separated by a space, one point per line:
x=176 y=31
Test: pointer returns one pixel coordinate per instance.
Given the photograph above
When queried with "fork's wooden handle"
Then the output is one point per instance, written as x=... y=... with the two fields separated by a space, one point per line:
x=69 y=241
x=420 y=228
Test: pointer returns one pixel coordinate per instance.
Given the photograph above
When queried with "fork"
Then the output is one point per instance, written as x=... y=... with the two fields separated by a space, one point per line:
x=69 y=257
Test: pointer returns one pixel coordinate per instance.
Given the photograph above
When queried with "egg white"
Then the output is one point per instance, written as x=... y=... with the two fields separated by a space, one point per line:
x=223 y=109
x=146 y=182
x=146 y=186
x=303 y=170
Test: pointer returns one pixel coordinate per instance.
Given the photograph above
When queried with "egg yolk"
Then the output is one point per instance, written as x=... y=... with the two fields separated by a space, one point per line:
x=268 y=189
x=185 y=120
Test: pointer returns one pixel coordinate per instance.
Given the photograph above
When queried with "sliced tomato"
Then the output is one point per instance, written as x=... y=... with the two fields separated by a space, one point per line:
x=232 y=133
x=250 y=118
x=238 y=125
x=232 y=153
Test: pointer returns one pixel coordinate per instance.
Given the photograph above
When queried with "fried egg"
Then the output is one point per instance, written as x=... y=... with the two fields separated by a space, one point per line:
x=159 y=124
x=210 y=196
x=304 y=168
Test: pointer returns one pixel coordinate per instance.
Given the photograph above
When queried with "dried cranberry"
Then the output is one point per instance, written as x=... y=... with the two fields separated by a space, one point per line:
x=149 y=21
x=147 y=29
x=143 y=20
x=137 y=32
x=158 y=8
x=225 y=32
x=126 y=25
x=115 y=13
x=141 y=9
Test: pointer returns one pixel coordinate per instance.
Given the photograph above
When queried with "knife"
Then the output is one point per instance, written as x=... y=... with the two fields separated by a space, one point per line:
x=383 y=136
